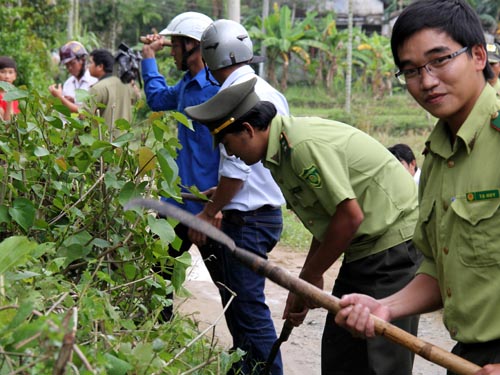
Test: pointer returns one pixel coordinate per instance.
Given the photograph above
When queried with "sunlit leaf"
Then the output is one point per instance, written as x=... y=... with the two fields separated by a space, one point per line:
x=23 y=212
x=14 y=251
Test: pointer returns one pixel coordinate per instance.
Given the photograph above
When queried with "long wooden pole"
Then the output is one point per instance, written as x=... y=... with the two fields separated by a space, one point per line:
x=302 y=288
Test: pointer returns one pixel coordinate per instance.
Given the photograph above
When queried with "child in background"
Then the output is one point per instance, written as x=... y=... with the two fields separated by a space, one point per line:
x=8 y=73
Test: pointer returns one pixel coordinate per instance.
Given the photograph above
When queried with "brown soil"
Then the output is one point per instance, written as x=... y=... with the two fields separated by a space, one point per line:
x=301 y=353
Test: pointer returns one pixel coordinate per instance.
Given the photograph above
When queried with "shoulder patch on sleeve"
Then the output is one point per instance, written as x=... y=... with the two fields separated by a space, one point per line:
x=311 y=176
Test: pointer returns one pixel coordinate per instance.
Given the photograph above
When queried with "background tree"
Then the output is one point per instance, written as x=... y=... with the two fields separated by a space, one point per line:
x=29 y=30
x=284 y=37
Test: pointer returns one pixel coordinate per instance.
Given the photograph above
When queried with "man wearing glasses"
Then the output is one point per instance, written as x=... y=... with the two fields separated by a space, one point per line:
x=440 y=50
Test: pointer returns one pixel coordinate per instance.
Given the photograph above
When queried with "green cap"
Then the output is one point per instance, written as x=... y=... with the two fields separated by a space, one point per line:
x=493 y=53
x=226 y=107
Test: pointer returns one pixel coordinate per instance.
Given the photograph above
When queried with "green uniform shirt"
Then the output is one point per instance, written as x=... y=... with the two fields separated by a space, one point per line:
x=319 y=163
x=497 y=87
x=117 y=97
x=459 y=225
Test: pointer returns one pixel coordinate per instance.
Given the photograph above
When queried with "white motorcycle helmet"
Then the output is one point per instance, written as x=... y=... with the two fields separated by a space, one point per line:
x=225 y=43
x=188 y=24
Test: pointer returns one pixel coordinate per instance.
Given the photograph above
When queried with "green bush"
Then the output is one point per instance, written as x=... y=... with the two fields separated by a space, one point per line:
x=75 y=267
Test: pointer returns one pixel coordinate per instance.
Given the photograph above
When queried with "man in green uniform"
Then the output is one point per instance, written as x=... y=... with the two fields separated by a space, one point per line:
x=353 y=196
x=440 y=50
x=112 y=98
x=494 y=61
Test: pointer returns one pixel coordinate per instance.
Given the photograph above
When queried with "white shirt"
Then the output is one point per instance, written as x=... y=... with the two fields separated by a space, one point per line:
x=416 y=176
x=72 y=83
x=259 y=187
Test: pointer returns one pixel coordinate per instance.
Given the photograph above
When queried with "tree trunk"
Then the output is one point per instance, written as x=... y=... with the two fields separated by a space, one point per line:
x=271 y=71
x=284 y=76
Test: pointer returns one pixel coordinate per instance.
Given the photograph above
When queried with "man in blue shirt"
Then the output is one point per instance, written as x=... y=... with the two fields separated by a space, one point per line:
x=198 y=160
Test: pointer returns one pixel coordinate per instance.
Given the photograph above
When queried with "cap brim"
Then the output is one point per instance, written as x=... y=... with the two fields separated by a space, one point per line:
x=257 y=60
x=493 y=59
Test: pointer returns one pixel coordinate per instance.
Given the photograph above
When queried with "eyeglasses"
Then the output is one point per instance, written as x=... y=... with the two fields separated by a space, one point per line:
x=433 y=67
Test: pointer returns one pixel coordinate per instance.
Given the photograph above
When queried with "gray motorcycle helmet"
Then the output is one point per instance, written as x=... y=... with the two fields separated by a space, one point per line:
x=225 y=43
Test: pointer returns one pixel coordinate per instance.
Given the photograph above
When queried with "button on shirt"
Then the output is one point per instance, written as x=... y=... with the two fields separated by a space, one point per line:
x=72 y=84
x=259 y=188
x=340 y=163
x=198 y=160
x=459 y=225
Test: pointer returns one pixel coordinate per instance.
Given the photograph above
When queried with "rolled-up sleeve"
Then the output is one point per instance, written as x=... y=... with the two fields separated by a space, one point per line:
x=232 y=167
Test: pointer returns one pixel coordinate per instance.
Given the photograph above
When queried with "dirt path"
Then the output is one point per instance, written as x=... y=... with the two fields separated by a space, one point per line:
x=301 y=353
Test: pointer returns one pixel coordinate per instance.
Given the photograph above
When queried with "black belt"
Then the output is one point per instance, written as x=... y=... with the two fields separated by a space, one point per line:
x=481 y=345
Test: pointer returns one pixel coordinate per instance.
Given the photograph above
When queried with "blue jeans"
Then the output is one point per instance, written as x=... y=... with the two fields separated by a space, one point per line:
x=248 y=316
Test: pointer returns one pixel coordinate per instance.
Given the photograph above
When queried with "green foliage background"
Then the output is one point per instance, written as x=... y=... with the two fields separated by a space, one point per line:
x=74 y=265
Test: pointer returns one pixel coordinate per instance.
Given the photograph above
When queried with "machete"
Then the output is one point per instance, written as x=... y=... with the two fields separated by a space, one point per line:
x=302 y=288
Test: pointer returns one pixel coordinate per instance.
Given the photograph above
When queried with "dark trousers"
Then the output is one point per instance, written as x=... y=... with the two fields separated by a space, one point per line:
x=481 y=354
x=206 y=252
x=379 y=276
x=248 y=317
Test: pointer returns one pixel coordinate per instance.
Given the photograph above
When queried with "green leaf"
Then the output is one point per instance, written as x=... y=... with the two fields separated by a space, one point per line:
x=158 y=345
x=4 y=214
x=180 y=117
x=83 y=160
x=111 y=180
x=23 y=312
x=122 y=124
x=168 y=166
x=123 y=140
x=41 y=151
x=14 y=252
x=117 y=366
x=20 y=275
x=181 y=264
x=161 y=228
x=75 y=247
x=23 y=212
x=82 y=96
x=12 y=92
x=130 y=191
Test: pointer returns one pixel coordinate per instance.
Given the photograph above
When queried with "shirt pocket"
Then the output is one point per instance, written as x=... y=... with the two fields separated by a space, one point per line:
x=478 y=231
x=302 y=196
x=427 y=211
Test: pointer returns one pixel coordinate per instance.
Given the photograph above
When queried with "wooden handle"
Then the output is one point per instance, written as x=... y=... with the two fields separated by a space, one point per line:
x=302 y=288
x=146 y=40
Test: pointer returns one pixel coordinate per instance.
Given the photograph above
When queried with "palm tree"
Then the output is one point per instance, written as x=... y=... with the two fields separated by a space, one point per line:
x=283 y=38
x=374 y=55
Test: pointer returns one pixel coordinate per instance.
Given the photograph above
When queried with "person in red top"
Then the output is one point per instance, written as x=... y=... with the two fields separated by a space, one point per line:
x=8 y=73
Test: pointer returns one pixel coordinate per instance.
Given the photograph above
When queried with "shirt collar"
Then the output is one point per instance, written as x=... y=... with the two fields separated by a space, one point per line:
x=86 y=79
x=480 y=116
x=200 y=78
x=245 y=70
x=273 y=155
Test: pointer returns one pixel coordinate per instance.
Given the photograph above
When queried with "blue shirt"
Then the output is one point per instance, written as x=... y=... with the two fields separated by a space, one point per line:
x=198 y=161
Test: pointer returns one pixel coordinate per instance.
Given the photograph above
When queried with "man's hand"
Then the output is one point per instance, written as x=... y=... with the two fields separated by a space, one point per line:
x=199 y=238
x=355 y=314
x=295 y=309
x=153 y=44
x=489 y=370
x=56 y=90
